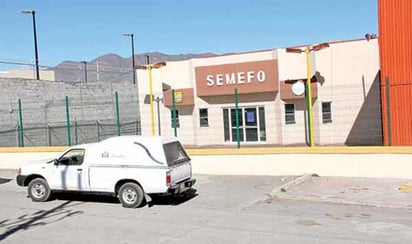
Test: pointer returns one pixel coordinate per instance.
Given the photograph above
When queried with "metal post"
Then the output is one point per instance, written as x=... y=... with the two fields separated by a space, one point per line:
x=69 y=137
x=237 y=118
x=388 y=112
x=133 y=63
x=18 y=134
x=309 y=98
x=21 y=125
x=174 y=112
x=149 y=67
x=85 y=71
x=98 y=130
x=36 y=52
x=49 y=143
x=157 y=100
x=76 y=141
x=134 y=71
x=117 y=113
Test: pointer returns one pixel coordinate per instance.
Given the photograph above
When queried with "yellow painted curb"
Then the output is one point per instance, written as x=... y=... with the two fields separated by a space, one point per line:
x=250 y=151
x=303 y=150
x=31 y=149
x=405 y=187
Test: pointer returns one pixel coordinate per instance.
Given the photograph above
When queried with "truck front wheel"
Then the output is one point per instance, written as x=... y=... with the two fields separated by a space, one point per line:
x=39 y=190
x=131 y=195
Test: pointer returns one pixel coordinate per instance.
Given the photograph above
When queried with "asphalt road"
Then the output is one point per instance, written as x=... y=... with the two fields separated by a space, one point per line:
x=224 y=209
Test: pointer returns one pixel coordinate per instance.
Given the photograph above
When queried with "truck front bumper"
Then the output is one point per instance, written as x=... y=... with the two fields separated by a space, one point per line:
x=181 y=186
x=20 y=179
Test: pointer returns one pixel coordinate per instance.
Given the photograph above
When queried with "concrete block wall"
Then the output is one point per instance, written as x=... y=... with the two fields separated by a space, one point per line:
x=43 y=103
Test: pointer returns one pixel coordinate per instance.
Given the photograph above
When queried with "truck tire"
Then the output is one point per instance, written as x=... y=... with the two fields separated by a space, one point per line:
x=39 y=190
x=131 y=195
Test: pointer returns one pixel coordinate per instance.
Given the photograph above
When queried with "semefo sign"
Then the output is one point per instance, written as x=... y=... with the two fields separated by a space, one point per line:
x=248 y=77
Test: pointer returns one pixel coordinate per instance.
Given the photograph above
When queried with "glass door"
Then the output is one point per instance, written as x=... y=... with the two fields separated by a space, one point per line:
x=251 y=124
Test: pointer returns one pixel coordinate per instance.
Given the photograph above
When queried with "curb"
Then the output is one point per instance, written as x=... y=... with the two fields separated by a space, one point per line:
x=283 y=188
x=340 y=201
x=406 y=187
x=252 y=150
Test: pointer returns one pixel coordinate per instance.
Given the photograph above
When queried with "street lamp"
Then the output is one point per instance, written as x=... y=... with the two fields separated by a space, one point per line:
x=36 y=55
x=149 y=67
x=308 y=94
x=132 y=40
x=85 y=71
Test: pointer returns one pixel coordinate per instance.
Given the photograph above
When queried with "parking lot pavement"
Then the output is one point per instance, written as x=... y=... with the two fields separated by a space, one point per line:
x=224 y=209
x=360 y=191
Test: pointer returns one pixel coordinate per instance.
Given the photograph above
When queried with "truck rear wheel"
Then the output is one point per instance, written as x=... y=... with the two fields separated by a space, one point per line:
x=131 y=195
x=39 y=190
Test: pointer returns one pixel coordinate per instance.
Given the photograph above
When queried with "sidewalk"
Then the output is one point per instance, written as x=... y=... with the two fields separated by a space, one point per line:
x=360 y=191
x=8 y=174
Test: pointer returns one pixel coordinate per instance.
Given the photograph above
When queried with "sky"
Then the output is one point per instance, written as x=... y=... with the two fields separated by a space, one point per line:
x=80 y=30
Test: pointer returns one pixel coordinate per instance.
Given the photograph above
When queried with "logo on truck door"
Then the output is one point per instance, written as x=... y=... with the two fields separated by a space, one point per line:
x=105 y=154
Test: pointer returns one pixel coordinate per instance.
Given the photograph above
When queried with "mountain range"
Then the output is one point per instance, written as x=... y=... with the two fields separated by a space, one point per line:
x=112 y=67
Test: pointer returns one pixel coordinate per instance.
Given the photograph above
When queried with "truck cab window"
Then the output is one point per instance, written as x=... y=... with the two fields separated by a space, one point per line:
x=72 y=157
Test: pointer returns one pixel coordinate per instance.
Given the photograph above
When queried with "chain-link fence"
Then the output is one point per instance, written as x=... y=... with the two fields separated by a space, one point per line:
x=58 y=134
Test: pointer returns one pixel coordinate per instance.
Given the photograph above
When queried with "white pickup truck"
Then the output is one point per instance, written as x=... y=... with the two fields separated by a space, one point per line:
x=129 y=167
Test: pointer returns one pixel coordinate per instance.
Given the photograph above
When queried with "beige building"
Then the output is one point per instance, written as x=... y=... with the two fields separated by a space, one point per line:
x=28 y=74
x=271 y=97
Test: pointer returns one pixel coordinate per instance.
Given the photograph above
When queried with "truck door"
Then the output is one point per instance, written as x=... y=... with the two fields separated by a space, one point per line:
x=70 y=172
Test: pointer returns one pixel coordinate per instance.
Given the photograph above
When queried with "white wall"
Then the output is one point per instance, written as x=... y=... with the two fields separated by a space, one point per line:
x=28 y=74
x=235 y=58
x=175 y=74
x=348 y=68
x=344 y=165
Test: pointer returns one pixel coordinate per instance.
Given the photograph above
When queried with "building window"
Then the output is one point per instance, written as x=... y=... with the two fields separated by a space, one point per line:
x=327 y=112
x=203 y=117
x=177 y=118
x=290 y=114
x=226 y=124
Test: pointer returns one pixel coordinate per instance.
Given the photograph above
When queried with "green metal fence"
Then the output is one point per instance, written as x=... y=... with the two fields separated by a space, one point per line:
x=69 y=130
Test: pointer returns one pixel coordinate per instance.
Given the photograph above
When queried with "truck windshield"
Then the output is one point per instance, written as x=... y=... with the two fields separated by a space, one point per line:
x=175 y=153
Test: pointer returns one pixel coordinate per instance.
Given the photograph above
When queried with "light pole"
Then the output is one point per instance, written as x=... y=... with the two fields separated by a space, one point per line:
x=36 y=54
x=133 y=64
x=85 y=71
x=158 y=100
x=149 y=67
x=308 y=93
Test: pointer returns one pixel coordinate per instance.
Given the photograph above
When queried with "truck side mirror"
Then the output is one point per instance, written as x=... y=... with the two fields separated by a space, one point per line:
x=55 y=161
